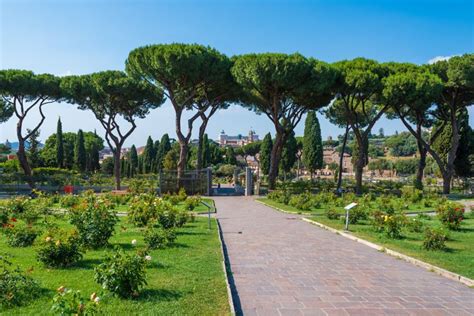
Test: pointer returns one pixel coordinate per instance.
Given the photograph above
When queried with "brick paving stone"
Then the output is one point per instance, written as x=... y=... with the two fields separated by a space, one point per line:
x=283 y=266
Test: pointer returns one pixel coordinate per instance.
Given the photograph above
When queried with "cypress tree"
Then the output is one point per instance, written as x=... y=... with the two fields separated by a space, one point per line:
x=230 y=156
x=266 y=153
x=148 y=156
x=133 y=161
x=59 y=145
x=156 y=148
x=164 y=148
x=33 y=149
x=80 y=152
x=206 y=152
x=288 y=155
x=312 y=144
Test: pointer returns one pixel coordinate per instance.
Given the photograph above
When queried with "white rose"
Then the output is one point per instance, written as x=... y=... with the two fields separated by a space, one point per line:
x=148 y=258
x=134 y=242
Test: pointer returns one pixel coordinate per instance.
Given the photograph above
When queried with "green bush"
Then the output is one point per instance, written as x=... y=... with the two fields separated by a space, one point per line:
x=59 y=248
x=280 y=196
x=16 y=288
x=388 y=205
x=331 y=213
x=19 y=234
x=192 y=202
x=412 y=195
x=435 y=239
x=301 y=201
x=69 y=200
x=415 y=225
x=451 y=214
x=4 y=215
x=71 y=302
x=357 y=214
x=394 y=224
x=18 y=204
x=94 y=221
x=139 y=186
x=159 y=237
x=143 y=209
x=122 y=274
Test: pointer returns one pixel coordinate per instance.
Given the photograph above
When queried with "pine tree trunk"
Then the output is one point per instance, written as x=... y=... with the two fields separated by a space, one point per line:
x=199 y=161
x=117 y=151
x=341 y=160
x=421 y=167
x=183 y=155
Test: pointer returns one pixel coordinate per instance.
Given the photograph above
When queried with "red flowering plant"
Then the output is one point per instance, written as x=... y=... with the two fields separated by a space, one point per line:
x=451 y=214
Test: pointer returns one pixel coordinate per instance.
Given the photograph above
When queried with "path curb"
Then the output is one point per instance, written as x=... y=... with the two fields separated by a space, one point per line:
x=281 y=210
x=427 y=266
x=224 y=266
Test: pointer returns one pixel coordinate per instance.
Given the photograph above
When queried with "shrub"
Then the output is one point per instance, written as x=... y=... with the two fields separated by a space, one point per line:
x=143 y=209
x=16 y=288
x=182 y=218
x=301 y=201
x=331 y=213
x=394 y=224
x=168 y=216
x=435 y=239
x=18 y=204
x=4 y=215
x=71 y=302
x=94 y=222
x=415 y=225
x=451 y=214
x=388 y=205
x=19 y=234
x=412 y=195
x=159 y=237
x=378 y=220
x=122 y=274
x=280 y=196
x=357 y=214
x=59 y=248
x=182 y=195
x=69 y=200
x=192 y=202
x=139 y=186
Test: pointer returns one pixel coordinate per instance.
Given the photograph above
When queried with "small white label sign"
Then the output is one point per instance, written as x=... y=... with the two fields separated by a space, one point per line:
x=348 y=207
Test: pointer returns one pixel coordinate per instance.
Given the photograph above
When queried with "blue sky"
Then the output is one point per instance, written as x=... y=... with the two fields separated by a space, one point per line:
x=82 y=36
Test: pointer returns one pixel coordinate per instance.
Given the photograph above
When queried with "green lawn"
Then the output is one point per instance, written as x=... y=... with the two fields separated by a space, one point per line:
x=458 y=258
x=186 y=279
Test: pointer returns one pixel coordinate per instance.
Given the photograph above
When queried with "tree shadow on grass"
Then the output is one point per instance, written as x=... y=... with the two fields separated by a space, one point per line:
x=178 y=245
x=87 y=263
x=159 y=295
x=188 y=233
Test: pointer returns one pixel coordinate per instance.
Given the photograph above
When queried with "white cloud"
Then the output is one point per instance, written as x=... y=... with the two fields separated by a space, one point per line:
x=439 y=58
x=67 y=73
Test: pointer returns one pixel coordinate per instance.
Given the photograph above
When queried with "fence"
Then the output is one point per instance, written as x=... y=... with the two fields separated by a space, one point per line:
x=192 y=181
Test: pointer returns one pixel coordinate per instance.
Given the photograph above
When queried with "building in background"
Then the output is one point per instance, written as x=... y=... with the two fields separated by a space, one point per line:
x=237 y=141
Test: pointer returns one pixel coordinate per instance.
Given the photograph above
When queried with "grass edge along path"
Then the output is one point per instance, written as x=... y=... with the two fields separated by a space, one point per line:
x=372 y=241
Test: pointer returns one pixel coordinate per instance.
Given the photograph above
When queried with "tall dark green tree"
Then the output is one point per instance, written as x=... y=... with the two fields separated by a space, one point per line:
x=112 y=96
x=266 y=153
x=206 y=152
x=288 y=154
x=148 y=156
x=80 y=152
x=283 y=87
x=59 y=144
x=165 y=147
x=156 y=148
x=133 y=160
x=183 y=72
x=312 y=144
x=23 y=91
x=230 y=156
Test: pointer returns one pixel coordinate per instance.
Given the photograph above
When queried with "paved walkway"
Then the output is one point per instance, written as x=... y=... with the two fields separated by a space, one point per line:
x=284 y=266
